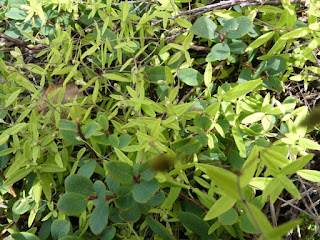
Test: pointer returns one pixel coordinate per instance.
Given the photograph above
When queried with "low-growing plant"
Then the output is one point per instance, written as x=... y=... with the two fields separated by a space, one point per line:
x=193 y=122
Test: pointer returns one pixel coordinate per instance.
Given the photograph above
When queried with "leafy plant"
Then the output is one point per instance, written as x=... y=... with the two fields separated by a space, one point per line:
x=193 y=125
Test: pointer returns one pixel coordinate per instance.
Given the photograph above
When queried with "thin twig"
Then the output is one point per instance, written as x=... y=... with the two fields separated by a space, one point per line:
x=6 y=228
x=225 y=5
x=194 y=201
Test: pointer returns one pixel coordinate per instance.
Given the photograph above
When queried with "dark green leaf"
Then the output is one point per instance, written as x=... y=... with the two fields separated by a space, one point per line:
x=87 y=169
x=100 y=189
x=238 y=46
x=16 y=14
x=204 y=27
x=60 y=229
x=144 y=190
x=132 y=215
x=67 y=125
x=194 y=223
x=246 y=225
x=275 y=66
x=203 y=122
x=156 y=73
x=72 y=204
x=220 y=51
x=125 y=202
x=124 y=141
x=159 y=229
x=108 y=233
x=190 y=76
x=120 y=171
x=230 y=217
x=79 y=184
x=71 y=238
x=99 y=218
x=237 y=27
x=70 y=136
x=91 y=128
x=157 y=199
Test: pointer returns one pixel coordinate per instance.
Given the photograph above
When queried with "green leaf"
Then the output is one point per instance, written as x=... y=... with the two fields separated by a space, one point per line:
x=24 y=236
x=204 y=27
x=159 y=229
x=108 y=233
x=120 y=171
x=21 y=206
x=241 y=90
x=273 y=159
x=125 y=202
x=194 y=223
x=239 y=141
x=87 y=169
x=16 y=14
x=310 y=144
x=297 y=33
x=122 y=157
x=187 y=145
x=133 y=215
x=71 y=238
x=274 y=189
x=67 y=125
x=296 y=165
x=224 y=179
x=203 y=122
x=230 y=217
x=171 y=198
x=237 y=46
x=145 y=190
x=260 y=220
x=282 y=229
x=12 y=32
x=213 y=109
x=259 y=41
x=79 y=184
x=275 y=66
x=255 y=117
x=190 y=76
x=72 y=204
x=50 y=167
x=236 y=27
x=99 y=218
x=156 y=73
x=11 y=98
x=157 y=199
x=220 y=51
x=246 y=225
x=100 y=189
x=249 y=167
x=311 y=175
x=222 y=205
x=17 y=176
x=60 y=229
x=91 y=128
x=290 y=187
x=22 y=81
x=71 y=137
x=15 y=129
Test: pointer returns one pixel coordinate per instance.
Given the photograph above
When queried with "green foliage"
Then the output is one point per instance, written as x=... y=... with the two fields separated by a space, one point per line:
x=189 y=126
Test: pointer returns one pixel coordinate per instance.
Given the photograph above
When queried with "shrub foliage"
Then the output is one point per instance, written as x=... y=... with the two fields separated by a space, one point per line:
x=193 y=122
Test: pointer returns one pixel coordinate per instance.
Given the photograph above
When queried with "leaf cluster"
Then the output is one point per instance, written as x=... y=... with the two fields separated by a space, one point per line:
x=190 y=125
